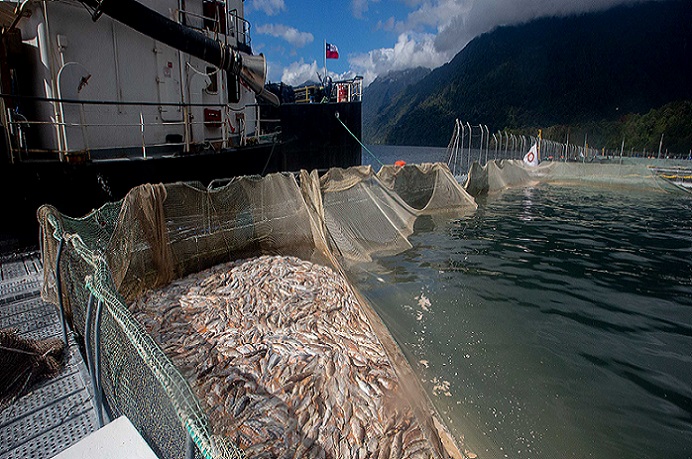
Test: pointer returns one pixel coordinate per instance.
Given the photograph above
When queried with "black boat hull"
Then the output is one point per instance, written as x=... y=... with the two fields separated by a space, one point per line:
x=76 y=189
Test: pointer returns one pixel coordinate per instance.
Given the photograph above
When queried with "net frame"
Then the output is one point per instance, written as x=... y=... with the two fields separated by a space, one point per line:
x=158 y=233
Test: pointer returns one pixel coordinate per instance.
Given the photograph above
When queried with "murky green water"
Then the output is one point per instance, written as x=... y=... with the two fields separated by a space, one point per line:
x=552 y=322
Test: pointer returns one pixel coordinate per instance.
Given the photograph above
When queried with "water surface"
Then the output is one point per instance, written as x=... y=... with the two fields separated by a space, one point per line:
x=553 y=322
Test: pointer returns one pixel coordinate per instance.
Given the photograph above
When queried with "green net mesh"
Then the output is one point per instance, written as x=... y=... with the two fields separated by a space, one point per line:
x=499 y=174
x=160 y=233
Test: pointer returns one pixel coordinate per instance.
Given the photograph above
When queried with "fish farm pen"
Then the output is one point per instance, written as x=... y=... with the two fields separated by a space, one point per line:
x=221 y=320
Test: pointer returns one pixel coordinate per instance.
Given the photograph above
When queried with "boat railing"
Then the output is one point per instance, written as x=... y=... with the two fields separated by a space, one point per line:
x=80 y=138
x=216 y=20
x=306 y=94
x=242 y=27
x=338 y=91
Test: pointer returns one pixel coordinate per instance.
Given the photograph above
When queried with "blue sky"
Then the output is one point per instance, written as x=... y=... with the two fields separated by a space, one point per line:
x=377 y=36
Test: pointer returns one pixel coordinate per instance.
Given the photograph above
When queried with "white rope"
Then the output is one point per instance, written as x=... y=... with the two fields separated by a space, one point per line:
x=192 y=67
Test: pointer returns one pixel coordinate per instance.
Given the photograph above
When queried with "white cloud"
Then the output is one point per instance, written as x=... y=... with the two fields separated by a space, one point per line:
x=360 y=7
x=437 y=14
x=387 y=25
x=436 y=30
x=411 y=50
x=290 y=34
x=457 y=22
x=270 y=7
x=431 y=34
x=299 y=72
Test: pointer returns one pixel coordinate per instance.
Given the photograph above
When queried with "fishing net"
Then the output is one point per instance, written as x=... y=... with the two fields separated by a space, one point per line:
x=25 y=362
x=159 y=235
x=500 y=174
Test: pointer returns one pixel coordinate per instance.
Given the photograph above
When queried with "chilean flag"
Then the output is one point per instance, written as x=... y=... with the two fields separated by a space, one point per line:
x=332 y=52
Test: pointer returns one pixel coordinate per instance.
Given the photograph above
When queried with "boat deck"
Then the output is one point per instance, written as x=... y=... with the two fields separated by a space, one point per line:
x=58 y=412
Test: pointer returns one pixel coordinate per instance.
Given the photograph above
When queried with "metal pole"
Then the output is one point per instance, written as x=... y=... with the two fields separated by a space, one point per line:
x=498 y=145
x=88 y=350
x=660 y=145
x=456 y=146
x=58 y=284
x=480 y=152
x=470 y=136
x=98 y=391
x=487 y=143
x=141 y=126
x=506 y=144
x=462 y=146
x=450 y=147
x=495 y=140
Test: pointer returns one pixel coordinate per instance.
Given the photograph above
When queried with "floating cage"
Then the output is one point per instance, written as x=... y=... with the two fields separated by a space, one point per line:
x=159 y=234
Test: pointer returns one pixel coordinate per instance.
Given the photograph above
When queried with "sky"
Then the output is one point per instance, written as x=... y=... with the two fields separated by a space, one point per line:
x=377 y=36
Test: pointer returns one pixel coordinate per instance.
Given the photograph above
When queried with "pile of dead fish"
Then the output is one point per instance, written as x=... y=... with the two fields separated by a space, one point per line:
x=284 y=361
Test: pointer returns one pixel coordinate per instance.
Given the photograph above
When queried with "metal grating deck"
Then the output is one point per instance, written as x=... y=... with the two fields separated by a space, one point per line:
x=58 y=412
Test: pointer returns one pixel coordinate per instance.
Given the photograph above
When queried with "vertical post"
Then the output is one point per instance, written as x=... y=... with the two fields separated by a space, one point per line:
x=90 y=360
x=98 y=391
x=495 y=139
x=480 y=152
x=498 y=144
x=324 y=53
x=141 y=126
x=450 y=147
x=462 y=146
x=470 y=136
x=85 y=136
x=622 y=148
x=538 y=149
x=567 y=144
x=660 y=145
x=487 y=143
x=58 y=284
x=506 y=144
x=186 y=118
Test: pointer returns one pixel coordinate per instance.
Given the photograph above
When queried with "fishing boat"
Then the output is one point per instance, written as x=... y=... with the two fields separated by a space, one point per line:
x=101 y=95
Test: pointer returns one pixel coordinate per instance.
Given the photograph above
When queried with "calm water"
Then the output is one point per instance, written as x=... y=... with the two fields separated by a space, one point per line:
x=552 y=322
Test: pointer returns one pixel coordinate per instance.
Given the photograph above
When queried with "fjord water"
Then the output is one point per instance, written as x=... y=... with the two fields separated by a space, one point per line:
x=553 y=322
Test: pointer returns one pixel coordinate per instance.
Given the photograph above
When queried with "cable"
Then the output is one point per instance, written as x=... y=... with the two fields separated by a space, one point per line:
x=361 y=143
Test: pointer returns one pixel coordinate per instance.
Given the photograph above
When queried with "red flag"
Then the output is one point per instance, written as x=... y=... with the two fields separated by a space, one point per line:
x=332 y=52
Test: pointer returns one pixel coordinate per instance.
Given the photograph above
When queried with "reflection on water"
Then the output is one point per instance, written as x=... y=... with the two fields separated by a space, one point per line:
x=551 y=323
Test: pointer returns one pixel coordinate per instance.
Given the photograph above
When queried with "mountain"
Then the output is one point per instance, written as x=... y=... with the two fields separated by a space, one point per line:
x=580 y=69
x=383 y=91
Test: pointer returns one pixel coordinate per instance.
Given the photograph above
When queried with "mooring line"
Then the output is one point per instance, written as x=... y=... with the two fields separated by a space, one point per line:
x=357 y=140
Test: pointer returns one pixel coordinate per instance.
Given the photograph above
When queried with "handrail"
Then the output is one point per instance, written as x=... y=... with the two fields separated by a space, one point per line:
x=114 y=102
x=236 y=26
x=132 y=121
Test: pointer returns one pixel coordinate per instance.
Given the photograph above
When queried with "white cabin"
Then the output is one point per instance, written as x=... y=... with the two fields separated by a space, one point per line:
x=101 y=90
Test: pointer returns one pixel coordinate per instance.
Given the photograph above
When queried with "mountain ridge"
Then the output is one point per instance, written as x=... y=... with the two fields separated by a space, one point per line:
x=596 y=66
x=384 y=90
